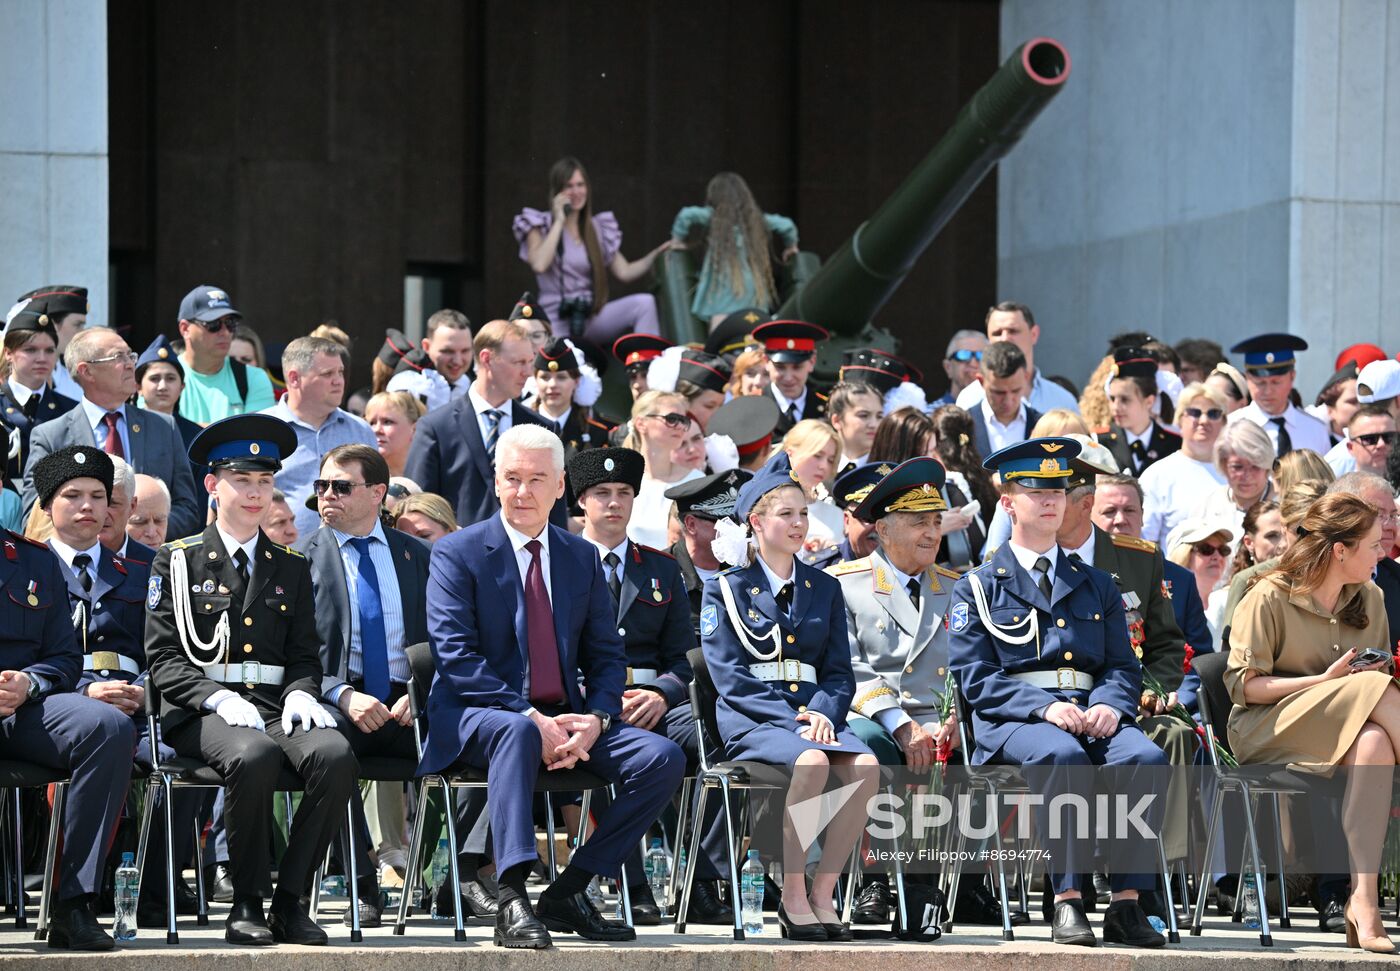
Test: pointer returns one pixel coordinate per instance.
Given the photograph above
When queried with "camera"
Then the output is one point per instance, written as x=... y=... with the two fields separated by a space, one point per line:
x=575 y=312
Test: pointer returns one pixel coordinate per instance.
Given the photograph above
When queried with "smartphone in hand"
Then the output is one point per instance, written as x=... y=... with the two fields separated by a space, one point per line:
x=1368 y=657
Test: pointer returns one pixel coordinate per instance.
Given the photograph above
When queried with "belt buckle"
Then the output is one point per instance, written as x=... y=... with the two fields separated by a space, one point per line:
x=1067 y=679
x=250 y=672
x=792 y=670
x=105 y=660
x=629 y=676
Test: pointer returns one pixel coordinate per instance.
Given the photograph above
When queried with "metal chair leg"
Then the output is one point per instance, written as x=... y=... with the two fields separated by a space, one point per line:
x=201 y=905
x=856 y=867
x=415 y=858
x=171 y=937
x=585 y=822
x=1007 y=934
x=1208 y=853
x=625 y=893
x=21 y=918
x=1284 y=920
x=682 y=857
x=683 y=904
x=1173 y=932
x=735 y=897
x=60 y=795
x=459 y=932
x=549 y=832
x=1265 y=936
x=353 y=865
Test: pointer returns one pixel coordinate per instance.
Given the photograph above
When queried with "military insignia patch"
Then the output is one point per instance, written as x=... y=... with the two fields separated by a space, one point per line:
x=709 y=619
x=957 y=619
x=153 y=592
x=1167 y=589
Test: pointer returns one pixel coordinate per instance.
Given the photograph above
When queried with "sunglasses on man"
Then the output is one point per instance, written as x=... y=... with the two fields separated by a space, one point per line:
x=341 y=487
x=962 y=357
x=1372 y=439
x=228 y=322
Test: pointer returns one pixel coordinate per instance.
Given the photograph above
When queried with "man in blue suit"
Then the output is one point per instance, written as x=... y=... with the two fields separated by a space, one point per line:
x=454 y=447
x=105 y=369
x=1039 y=644
x=521 y=625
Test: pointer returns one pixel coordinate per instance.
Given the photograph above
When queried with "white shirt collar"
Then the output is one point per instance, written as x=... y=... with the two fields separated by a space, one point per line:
x=850 y=460
x=96 y=413
x=901 y=578
x=1085 y=552
x=991 y=417
x=775 y=582
x=377 y=532
x=785 y=404
x=480 y=405
x=20 y=393
x=519 y=539
x=620 y=549
x=1027 y=557
x=66 y=553
x=1144 y=437
x=232 y=546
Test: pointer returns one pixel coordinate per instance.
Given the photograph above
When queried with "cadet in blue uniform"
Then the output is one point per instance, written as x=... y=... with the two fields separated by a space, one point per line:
x=847 y=491
x=41 y=719
x=232 y=645
x=774 y=634
x=27 y=396
x=653 y=619
x=107 y=599
x=700 y=503
x=1039 y=645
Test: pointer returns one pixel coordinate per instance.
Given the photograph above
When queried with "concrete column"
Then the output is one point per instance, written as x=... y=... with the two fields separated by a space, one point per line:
x=53 y=148
x=1211 y=170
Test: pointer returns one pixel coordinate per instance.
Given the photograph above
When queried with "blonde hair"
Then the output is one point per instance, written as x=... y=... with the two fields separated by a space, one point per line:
x=646 y=405
x=331 y=331
x=1302 y=465
x=808 y=437
x=494 y=333
x=769 y=499
x=404 y=401
x=1198 y=389
x=1059 y=421
x=1093 y=403
x=246 y=333
x=428 y=504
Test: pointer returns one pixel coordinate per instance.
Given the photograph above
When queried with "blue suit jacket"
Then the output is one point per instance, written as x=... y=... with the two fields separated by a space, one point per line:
x=813 y=632
x=1094 y=640
x=448 y=457
x=36 y=636
x=157 y=450
x=1191 y=618
x=476 y=626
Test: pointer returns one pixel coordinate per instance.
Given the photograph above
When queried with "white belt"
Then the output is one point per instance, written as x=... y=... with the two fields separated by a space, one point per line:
x=246 y=672
x=784 y=671
x=105 y=661
x=1061 y=679
x=636 y=676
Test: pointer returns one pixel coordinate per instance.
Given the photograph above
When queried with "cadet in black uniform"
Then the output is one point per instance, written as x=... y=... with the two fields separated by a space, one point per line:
x=27 y=396
x=231 y=640
x=653 y=618
x=791 y=347
x=565 y=391
x=42 y=720
x=700 y=503
x=1136 y=438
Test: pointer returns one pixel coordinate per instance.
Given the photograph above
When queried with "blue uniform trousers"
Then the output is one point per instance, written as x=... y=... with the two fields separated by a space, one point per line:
x=645 y=767
x=1054 y=762
x=93 y=742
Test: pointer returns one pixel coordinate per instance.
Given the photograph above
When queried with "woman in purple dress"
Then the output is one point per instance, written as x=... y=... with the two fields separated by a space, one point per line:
x=571 y=251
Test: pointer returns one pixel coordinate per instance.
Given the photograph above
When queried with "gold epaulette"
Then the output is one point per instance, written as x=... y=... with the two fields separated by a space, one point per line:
x=1133 y=543
x=950 y=574
x=187 y=542
x=288 y=549
x=869 y=696
x=849 y=566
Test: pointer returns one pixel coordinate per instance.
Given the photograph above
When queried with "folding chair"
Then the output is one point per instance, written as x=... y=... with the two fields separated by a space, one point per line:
x=1251 y=782
x=14 y=776
x=420 y=660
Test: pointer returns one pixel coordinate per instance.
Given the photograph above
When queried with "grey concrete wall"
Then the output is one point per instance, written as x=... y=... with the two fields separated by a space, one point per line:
x=1212 y=169
x=53 y=148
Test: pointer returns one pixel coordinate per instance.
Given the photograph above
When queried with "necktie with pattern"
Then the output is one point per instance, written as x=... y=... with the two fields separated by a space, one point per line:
x=113 y=444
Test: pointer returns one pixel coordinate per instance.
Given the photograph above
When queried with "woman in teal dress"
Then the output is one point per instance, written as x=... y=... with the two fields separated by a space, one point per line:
x=737 y=271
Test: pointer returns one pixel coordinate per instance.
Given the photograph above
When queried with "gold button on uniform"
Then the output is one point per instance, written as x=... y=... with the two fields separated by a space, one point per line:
x=208 y=606
x=247 y=648
x=801 y=708
x=791 y=639
x=1016 y=619
x=1060 y=622
x=1069 y=655
x=908 y=695
x=1096 y=616
x=283 y=608
x=792 y=687
x=247 y=622
x=909 y=670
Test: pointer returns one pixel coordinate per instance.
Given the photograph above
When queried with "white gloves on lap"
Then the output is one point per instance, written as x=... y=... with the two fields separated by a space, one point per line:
x=301 y=707
x=239 y=712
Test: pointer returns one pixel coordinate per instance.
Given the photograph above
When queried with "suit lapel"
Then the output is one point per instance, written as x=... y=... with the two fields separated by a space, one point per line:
x=403 y=556
x=512 y=591
x=70 y=579
x=260 y=570
x=560 y=576
x=136 y=436
x=108 y=579
x=325 y=557
x=1068 y=576
x=931 y=590
x=218 y=560
x=632 y=580
x=1016 y=579
x=801 y=585
x=471 y=431
x=753 y=579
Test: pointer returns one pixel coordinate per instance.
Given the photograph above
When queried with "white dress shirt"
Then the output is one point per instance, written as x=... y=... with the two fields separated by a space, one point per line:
x=785 y=404
x=66 y=553
x=391 y=607
x=481 y=406
x=97 y=421
x=232 y=546
x=998 y=435
x=620 y=550
x=1027 y=560
x=1304 y=431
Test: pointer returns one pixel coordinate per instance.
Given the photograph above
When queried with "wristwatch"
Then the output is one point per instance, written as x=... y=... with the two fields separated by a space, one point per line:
x=603 y=717
x=34 y=688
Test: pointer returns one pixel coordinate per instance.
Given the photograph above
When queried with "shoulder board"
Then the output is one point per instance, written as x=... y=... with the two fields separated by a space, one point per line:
x=187 y=542
x=1162 y=429
x=288 y=549
x=950 y=574
x=819 y=395
x=861 y=565
x=979 y=567
x=729 y=570
x=1133 y=543
x=652 y=549
x=31 y=542
x=605 y=426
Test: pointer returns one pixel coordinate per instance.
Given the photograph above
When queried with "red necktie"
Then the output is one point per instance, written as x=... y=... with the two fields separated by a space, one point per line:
x=113 y=445
x=546 y=680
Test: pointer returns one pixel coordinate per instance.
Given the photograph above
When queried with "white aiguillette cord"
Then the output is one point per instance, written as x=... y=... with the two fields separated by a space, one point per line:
x=741 y=629
x=1031 y=623
x=184 y=618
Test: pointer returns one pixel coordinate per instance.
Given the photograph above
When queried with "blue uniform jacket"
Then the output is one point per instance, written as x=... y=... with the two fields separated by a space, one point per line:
x=1082 y=627
x=36 y=626
x=1191 y=618
x=476 y=626
x=117 y=618
x=814 y=632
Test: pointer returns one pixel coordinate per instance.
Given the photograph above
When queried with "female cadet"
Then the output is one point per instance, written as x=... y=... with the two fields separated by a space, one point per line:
x=774 y=634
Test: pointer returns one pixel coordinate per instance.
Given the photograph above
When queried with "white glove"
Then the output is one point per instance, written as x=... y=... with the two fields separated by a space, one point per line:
x=239 y=712
x=300 y=706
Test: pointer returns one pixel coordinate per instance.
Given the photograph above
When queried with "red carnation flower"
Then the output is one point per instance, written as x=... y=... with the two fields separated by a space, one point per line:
x=1186 y=665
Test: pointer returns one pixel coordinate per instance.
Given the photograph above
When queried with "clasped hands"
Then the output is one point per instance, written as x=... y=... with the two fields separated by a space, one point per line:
x=566 y=739
x=1097 y=721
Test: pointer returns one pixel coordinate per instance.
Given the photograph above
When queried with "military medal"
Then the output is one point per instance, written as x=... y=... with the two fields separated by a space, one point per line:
x=32 y=599
x=208 y=586
x=656 y=590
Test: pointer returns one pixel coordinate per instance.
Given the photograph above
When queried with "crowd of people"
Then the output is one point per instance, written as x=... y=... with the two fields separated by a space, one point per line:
x=251 y=550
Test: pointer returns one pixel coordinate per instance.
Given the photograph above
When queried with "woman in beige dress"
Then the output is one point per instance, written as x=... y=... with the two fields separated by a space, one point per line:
x=1299 y=701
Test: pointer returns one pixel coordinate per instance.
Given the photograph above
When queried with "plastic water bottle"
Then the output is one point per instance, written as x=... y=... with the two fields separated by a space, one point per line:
x=658 y=867
x=751 y=890
x=441 y=864
x=128 y=888
x=1249 y=886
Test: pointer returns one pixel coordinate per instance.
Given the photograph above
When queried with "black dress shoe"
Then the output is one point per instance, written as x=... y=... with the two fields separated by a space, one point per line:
x=872 y=904
x=75 y=928
x=1333 y=918
x=246 y=924
x=979 y=905
x=1072 y=927
x=575 y=914
x=517 y=926
x=291 y=925
x=1125 y=923
x=838 y=932
x=706 y=907
x=645 y=912
x=372 y=903
x=799 y=932
x=477 y=899
x=218 y=885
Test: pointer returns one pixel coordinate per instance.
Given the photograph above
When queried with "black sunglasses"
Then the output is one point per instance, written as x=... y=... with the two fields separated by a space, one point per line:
x=228 y=322
x=1206 y=549
x=1372 y=439
x=341 y=487
x=674 y=419
x=963 y=357
x=1213 y=414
